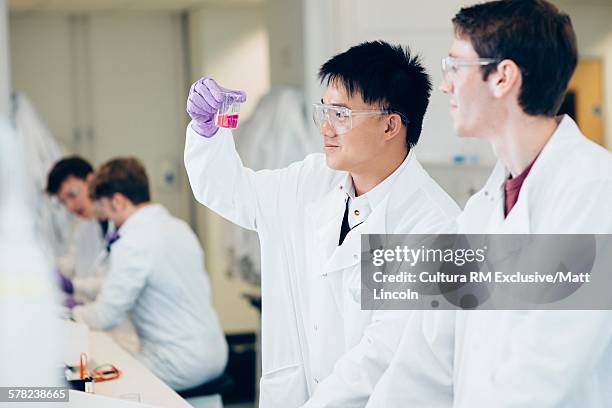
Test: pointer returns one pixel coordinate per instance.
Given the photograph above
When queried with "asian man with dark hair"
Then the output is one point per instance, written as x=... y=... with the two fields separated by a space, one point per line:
x=318 y=347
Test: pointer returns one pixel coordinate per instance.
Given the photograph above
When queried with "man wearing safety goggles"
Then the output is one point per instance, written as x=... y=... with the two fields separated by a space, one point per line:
x=81 y=271
x=318 y=346
x=506 y=74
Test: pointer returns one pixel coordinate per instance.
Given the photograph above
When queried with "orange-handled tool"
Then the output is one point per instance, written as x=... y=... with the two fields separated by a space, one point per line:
x=83 y=364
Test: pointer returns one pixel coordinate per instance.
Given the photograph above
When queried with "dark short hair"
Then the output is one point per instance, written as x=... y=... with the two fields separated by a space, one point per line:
x=532 y=33
x=387 y=75
x=125 y=175
x=73 y=166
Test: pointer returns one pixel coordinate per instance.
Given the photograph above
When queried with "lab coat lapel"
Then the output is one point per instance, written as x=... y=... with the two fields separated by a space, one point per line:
x=326 y=215
x=550 y=158
x=491 y=202
x=517 y=221
x=349 y=253
x=328 y=219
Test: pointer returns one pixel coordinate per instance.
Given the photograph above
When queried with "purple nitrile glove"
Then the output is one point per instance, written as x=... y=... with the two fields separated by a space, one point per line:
x=70 y=303
x=205 y=98
x=64 y=282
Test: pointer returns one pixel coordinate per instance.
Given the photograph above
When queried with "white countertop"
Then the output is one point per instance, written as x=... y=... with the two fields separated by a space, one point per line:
x=135 y=377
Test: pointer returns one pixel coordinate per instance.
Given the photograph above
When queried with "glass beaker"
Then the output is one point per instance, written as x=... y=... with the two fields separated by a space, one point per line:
x=228 y=113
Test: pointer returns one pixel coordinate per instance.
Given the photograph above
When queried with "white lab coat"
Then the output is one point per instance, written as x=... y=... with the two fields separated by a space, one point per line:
x=518 y=358
x=157 y=277
x=86 y=262
x=421 y=371
x=540 y=358
x=315 y=338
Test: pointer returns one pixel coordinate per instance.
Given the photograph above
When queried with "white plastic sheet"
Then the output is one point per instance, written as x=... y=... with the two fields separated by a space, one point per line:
x=30 y=339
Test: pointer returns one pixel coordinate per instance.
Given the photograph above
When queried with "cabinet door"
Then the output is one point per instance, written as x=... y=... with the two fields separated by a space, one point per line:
x=587 y=91
x=40 y=59
x=137 y=91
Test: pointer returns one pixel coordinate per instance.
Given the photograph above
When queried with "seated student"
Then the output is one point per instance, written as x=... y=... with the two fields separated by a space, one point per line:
x=157 y=277
x=83 y=268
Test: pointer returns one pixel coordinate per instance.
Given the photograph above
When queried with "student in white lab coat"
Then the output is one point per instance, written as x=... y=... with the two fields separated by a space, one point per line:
x=83 y=268
x=316 y=340
x=157 y=277
x=506 y=74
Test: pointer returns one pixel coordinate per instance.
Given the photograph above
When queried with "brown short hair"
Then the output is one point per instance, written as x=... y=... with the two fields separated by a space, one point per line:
x=536 y=36
x=125 y=175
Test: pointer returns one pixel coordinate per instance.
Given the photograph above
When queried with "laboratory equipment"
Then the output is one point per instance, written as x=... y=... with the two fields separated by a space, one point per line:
x=229 y=111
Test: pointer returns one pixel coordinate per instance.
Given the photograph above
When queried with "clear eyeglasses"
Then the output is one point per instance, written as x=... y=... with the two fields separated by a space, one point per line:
x=450 y=65
x=340 y=118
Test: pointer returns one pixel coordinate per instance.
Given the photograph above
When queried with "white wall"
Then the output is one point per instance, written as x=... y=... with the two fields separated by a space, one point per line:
x=284 y=21
x=41 y=61
x=230 y=45
x=320 y=43
x=138 y=98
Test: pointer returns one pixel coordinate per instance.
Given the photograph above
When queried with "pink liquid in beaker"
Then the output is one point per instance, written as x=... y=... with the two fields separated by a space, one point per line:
x=227 y=120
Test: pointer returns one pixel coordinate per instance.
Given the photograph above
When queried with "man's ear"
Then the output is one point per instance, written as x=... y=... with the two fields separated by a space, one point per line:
x=505 y=78
x=117 y=201
x=394 y=126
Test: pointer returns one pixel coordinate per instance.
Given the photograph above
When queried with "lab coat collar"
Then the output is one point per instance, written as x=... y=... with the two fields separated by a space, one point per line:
x=549 y=159
x=327 y=215
x=554 y=152
x=378 y=194
x=405 y=184
x=349 y=253
x=347 y=185
x=375 y=196
x=140 y=216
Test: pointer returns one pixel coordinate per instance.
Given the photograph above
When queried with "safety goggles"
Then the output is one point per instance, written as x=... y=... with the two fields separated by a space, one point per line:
x=450 y=65
x=340 y=118
x=70 y=195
